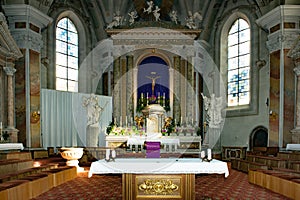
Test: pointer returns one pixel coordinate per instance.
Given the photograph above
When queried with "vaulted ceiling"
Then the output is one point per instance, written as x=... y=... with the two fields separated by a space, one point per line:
x=99 y=13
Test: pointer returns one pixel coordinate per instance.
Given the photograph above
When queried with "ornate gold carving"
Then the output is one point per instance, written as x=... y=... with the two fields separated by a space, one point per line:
x=158 y=187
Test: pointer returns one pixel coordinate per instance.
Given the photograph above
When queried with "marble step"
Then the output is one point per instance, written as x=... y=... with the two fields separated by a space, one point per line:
x=15 y=155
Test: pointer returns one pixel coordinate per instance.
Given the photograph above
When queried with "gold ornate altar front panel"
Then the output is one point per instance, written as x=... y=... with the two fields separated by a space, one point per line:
x=152 y=186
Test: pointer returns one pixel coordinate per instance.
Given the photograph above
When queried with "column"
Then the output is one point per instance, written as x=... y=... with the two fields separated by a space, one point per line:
x=129 y=93
x=12 y=131
x=190 y=103
x=26 y=24
x=116 y=90
x=176 y=92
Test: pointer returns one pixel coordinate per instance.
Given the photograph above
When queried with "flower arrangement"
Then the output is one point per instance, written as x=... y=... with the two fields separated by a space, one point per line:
x=116 y=130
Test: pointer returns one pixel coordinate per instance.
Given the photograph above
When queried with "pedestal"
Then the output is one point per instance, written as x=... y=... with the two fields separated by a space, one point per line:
x=92 y=133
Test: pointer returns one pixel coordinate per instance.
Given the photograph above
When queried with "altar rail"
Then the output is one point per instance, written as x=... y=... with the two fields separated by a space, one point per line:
x=169 y=144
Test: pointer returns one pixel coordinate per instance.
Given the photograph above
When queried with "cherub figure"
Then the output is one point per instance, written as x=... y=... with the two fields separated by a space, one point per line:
x=150 y=6
x=173 y=16
x=190 y=20
x=133 y=16
x=156 y=13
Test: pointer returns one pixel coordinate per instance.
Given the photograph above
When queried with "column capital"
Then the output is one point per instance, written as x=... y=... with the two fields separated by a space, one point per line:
x=9 y=71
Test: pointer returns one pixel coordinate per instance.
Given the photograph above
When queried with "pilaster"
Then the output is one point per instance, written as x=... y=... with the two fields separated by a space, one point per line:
x=25 y=24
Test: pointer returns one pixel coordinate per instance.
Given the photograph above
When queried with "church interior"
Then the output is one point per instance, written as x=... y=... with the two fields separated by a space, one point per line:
x=157 y=97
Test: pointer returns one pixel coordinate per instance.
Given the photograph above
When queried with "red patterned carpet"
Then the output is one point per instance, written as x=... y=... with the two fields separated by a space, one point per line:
x=109 y=187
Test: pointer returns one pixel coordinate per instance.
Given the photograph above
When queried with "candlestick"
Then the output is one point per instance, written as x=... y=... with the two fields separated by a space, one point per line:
x=113 y=153
x=107 y=154
x=202 y=154
x=209 y=154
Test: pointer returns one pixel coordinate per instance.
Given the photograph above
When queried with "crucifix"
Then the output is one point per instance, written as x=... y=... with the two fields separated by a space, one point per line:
x=153 y=78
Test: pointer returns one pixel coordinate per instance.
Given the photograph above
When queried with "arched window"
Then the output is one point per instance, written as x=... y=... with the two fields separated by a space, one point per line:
x=66 y=56
x=238 y=68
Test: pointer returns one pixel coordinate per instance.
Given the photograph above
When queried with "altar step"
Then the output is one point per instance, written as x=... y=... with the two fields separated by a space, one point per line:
x=15 y=155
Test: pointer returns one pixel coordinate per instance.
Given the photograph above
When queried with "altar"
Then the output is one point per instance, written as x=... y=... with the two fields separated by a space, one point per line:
x=158 y=178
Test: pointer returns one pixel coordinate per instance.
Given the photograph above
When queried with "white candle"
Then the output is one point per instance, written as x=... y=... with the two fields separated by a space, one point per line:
x=1 y=125
x=107 y=154
x=202 y=154
x=120 y=121
x=115 y=121
x=209 y=154
x=158 y=94
x=126 y=121
x=113 y=153
x=181 y=121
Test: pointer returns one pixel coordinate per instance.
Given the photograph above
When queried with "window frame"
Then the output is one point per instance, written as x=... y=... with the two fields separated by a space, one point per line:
x=222 y=44
x=67 y=66
x=239 y=67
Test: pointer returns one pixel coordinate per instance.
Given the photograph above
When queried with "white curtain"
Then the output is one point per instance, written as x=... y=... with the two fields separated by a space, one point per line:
x=64 y=119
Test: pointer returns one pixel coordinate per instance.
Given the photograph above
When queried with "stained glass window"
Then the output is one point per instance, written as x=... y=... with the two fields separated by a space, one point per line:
x=66 y=56
x=238 y=71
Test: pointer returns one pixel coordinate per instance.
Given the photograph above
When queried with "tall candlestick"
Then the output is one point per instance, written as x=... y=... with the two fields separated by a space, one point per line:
x=107 y=154
x=202 y=154
x=113 y=153
x=209 y=154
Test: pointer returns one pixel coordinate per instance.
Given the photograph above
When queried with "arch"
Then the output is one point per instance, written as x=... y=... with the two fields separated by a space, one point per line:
x=258 y=137
x=221 y=49
x=83 y=44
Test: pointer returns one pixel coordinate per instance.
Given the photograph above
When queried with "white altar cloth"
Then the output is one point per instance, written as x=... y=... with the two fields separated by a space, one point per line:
x=11 y=146
x=158 y=166
x=293 y=147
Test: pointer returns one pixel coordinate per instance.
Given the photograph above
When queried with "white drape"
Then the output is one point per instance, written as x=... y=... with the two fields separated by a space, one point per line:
x=64 y=119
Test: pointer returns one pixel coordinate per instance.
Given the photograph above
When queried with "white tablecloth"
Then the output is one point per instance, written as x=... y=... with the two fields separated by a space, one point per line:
x=11 y=146
x=158 y=166
x=295 y=147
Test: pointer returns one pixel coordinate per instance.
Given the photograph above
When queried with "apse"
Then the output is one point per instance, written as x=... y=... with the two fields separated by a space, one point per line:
x=153 y=78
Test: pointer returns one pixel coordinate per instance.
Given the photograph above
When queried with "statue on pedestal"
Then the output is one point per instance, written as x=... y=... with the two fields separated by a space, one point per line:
x=94 y=111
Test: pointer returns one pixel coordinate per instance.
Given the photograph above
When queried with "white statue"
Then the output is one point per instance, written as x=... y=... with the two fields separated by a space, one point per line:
x=213 y=106
x=173 y=16
x=191 y=20
x=133 y=16
x=150 y=6
x=117 y=21
x=156 y=13
x=93 y=109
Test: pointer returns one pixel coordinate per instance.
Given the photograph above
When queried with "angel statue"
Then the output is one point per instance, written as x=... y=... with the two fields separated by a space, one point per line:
x=168 y=122
x=93 y=109
x=190 y=20
x=213 y=106
x=173 y=16
x=150 y=6
x=156 y=13
x=117 y=21
x=139 y=121
x=133 y=16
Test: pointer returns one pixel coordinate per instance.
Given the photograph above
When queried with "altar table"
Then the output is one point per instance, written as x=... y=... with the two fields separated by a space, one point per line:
x=158 y=178
x=11 y=146
x=293 y=147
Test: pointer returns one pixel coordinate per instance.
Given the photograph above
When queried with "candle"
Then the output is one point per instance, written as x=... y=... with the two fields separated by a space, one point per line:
x=209 y=154
x=158 y=94
x=202 y=154
x=120 y=121
x=126 y=121
x=181 y=121
x=1 y=125
x=113 y=153
x=115 y=121
x=107 y=154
